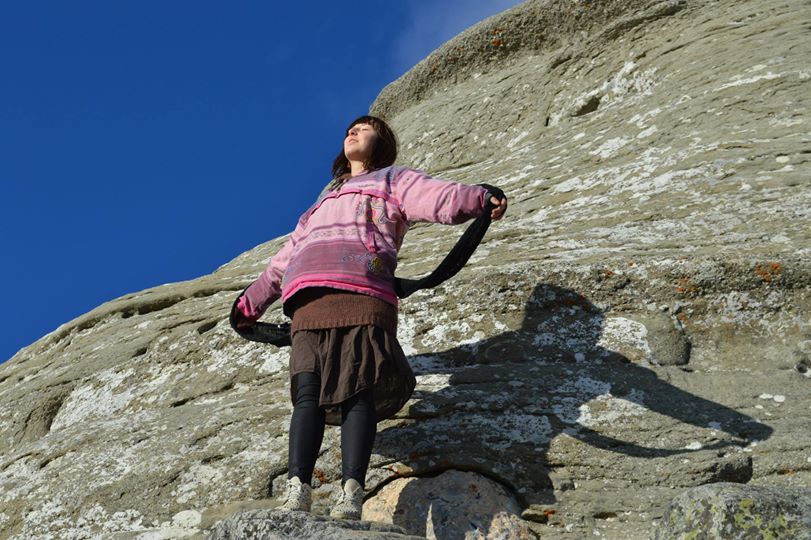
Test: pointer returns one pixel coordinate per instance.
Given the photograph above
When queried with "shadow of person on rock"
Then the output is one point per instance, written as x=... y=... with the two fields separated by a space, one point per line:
x=519 y=405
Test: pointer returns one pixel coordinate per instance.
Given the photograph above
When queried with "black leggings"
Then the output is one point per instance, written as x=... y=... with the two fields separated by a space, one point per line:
x=358 y=429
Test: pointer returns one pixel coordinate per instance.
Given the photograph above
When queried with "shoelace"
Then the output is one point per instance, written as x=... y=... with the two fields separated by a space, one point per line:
x=294 y=491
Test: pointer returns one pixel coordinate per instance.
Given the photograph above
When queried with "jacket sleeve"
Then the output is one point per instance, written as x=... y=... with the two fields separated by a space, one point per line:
x=268 y=286
x=423 y=198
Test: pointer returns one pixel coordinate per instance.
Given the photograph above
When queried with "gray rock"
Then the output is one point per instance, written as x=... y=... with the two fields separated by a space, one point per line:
x=278 y=525
x=668 y=341
x=637 y=325
x=736 y=512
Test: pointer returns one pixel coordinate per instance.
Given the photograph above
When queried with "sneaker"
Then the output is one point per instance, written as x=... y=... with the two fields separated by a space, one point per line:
x=299 y=496
x=350 y=504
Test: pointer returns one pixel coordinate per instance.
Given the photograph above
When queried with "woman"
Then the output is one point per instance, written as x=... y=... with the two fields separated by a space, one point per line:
x=335 y=278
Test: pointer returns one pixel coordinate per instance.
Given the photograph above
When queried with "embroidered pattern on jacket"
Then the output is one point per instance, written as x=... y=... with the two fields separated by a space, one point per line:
x=374 y=264
x=374 y=210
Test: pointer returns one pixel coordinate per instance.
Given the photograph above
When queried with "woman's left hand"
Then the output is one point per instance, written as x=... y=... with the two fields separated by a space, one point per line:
x=501 y=207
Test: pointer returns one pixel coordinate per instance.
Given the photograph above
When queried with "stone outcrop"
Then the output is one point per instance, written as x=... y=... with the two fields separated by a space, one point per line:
x=448 y=506
x=736 y=512
x=637 y=326
x=277 y=525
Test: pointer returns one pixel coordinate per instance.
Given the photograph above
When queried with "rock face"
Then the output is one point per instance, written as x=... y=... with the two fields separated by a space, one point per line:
x=276 y=525
x=638 y=325
x=734 y=512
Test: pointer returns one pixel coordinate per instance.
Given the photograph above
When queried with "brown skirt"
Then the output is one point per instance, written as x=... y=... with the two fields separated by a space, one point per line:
x=350 y=359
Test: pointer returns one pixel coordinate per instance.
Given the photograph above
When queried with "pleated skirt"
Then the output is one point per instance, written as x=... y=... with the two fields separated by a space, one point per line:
x=349 y=360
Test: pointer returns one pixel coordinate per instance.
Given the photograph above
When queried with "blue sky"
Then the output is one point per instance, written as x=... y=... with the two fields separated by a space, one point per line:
x=144 y=143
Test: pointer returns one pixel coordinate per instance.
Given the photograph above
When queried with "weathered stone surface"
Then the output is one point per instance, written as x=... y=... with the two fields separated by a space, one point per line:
x=455 y=504
x=277 y=525
x=735 y=512
x=636 y=326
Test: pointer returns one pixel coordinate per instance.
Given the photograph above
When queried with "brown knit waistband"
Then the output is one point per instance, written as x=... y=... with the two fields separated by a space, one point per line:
x=316 y=308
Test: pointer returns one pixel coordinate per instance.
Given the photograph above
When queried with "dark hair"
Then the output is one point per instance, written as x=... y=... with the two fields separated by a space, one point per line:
x=383 y=154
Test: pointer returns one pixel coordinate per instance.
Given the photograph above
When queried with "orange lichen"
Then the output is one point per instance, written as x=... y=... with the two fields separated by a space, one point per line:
x=685 y=286
x=768 y=272
x=320 y=475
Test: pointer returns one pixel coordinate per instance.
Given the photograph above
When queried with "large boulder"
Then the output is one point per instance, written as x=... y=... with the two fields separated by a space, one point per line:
x=736 y=512
x=454 y=504
x=278 y=525
x=636 y=326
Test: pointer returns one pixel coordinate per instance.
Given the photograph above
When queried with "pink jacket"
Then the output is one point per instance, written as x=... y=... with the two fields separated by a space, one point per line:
x=349 y=239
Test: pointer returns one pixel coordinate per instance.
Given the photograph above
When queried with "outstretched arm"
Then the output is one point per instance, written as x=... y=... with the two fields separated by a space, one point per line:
x=268 y=286
x=423 y=198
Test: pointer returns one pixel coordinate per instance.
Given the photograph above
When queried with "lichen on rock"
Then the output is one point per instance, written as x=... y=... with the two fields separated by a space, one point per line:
x=635 y=328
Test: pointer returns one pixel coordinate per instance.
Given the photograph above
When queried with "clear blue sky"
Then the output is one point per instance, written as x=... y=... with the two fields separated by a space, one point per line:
x=144 y=143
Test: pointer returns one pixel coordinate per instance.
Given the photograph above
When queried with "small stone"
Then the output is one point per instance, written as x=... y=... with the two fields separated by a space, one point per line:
x=187 y=518
x=537 y=513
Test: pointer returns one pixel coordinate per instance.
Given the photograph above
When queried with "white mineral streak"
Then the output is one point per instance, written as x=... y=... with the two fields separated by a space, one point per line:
x=607 y=410
x=502 y=432
x=739 y=81
x=52 y=516
x=662 y=170
x=198 y=477
x=96 y=399
x=187 y=519
x=497 y=432
x=274 y=361
x=423 y=364
x=610 y=147
x=434 y=382
x=620 y=330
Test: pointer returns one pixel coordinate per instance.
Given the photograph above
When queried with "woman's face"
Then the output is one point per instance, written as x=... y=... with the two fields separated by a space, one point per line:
x=359 y=142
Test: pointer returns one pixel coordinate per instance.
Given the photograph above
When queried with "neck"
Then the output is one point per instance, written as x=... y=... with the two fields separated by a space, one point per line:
x=357 y=167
